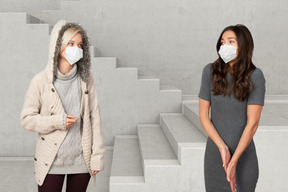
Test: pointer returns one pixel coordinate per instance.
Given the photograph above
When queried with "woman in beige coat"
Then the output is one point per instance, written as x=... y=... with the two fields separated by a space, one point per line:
x=61 y=106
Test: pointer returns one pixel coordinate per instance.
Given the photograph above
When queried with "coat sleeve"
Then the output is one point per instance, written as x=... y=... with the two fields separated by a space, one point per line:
x=31 y=119
x=98 y=149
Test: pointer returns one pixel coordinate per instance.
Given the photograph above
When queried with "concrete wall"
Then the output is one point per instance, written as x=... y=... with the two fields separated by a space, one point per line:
x=21 y=58
x=33 y=7
x=173 y=40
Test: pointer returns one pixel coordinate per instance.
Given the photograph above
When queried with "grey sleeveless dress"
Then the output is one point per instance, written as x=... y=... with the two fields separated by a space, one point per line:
x=229 y=116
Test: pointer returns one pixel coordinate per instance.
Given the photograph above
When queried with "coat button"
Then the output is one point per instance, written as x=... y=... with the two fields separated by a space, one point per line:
x=86 y=92
x=35 y=159
x=43 y=138
x=52 y=114
x=52 y=90
x=55 y=144
x=46 y=164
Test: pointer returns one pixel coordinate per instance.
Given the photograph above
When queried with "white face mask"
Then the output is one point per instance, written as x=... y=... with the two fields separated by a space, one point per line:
x=73 y=54
x=227 y=52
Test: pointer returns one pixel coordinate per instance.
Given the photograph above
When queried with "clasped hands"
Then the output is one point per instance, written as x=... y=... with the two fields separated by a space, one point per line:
x=229 y=167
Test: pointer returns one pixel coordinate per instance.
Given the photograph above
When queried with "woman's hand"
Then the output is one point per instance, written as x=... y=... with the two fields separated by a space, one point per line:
x=94 y=172
x=225 y=155
x=231 y=175
x=70 y=120
x=229 y=167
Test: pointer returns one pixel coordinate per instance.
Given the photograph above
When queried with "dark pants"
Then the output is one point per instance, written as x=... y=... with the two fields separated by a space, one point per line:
x=74 y=183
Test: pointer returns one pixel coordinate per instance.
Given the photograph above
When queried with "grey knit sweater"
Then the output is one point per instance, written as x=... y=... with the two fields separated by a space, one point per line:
x=69 y=159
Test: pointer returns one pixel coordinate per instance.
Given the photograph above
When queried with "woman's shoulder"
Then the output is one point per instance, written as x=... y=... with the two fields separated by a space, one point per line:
x=39 y=78
x=207 y=68
x=257 y=75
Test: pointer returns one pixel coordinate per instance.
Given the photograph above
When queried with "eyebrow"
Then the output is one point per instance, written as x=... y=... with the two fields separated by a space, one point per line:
x=74 y=41
x=229 y=38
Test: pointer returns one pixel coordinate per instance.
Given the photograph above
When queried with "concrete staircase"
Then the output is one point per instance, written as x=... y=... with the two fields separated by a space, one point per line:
x=169 y=157
x=172 y=151
x=164 y=155
x=133 y=96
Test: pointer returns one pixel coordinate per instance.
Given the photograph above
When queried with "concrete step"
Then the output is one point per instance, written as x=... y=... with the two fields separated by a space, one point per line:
x=167 y=88
x=274 y=112
x=191 y=111
x=148 y=77
x=276 y=99
x=33 y=20
x=155 y=147
x=93 y=52
x=107 y=63
x=162 y=169
x=181 y=133
x=189 y=98
x=51 y=16
x=21 y=18
x=152 y=83
x=128 y=72
x=126 y=163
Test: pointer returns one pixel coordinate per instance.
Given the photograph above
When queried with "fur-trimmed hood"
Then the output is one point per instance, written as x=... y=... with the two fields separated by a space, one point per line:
x=83 y=68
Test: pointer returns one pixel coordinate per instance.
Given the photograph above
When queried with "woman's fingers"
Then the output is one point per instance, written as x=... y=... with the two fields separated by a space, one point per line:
x=94 y=172
x=70 y=120
x=231 y=177
x=233 y=184
x=71 y=117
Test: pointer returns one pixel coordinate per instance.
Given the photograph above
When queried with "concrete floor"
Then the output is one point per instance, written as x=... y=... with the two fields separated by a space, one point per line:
x=16 y=174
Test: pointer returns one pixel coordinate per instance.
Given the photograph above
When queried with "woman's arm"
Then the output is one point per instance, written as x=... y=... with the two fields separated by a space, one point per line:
x=30 y=115
x=253 y=117
x=97 y=157
x=212 y=132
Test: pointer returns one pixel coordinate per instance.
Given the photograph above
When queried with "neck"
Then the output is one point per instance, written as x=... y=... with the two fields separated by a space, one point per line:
x=64 y=66
x=230 y=68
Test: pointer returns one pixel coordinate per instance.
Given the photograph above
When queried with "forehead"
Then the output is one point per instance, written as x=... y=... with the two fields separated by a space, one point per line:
x=77 y=37
x=229 y=35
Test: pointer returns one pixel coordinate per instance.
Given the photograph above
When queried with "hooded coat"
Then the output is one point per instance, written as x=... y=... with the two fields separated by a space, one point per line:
x=43 y=111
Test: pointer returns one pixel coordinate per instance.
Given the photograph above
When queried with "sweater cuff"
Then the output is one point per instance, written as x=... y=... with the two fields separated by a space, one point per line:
x=97 y=163
x=64 y=120
x=58 y=119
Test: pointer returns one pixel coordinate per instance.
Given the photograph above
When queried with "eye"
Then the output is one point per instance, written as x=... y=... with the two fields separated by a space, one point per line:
x=70 y=44
x=80 y=46
x=231 y=42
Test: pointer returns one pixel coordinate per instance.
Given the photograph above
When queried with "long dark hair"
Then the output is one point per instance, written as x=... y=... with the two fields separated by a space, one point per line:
x=242 y=67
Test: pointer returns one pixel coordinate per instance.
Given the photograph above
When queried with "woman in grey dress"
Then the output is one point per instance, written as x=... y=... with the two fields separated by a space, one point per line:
x=234 y=89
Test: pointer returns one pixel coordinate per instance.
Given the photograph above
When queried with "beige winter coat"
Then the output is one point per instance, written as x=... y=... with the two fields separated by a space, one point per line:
x=43 y=111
